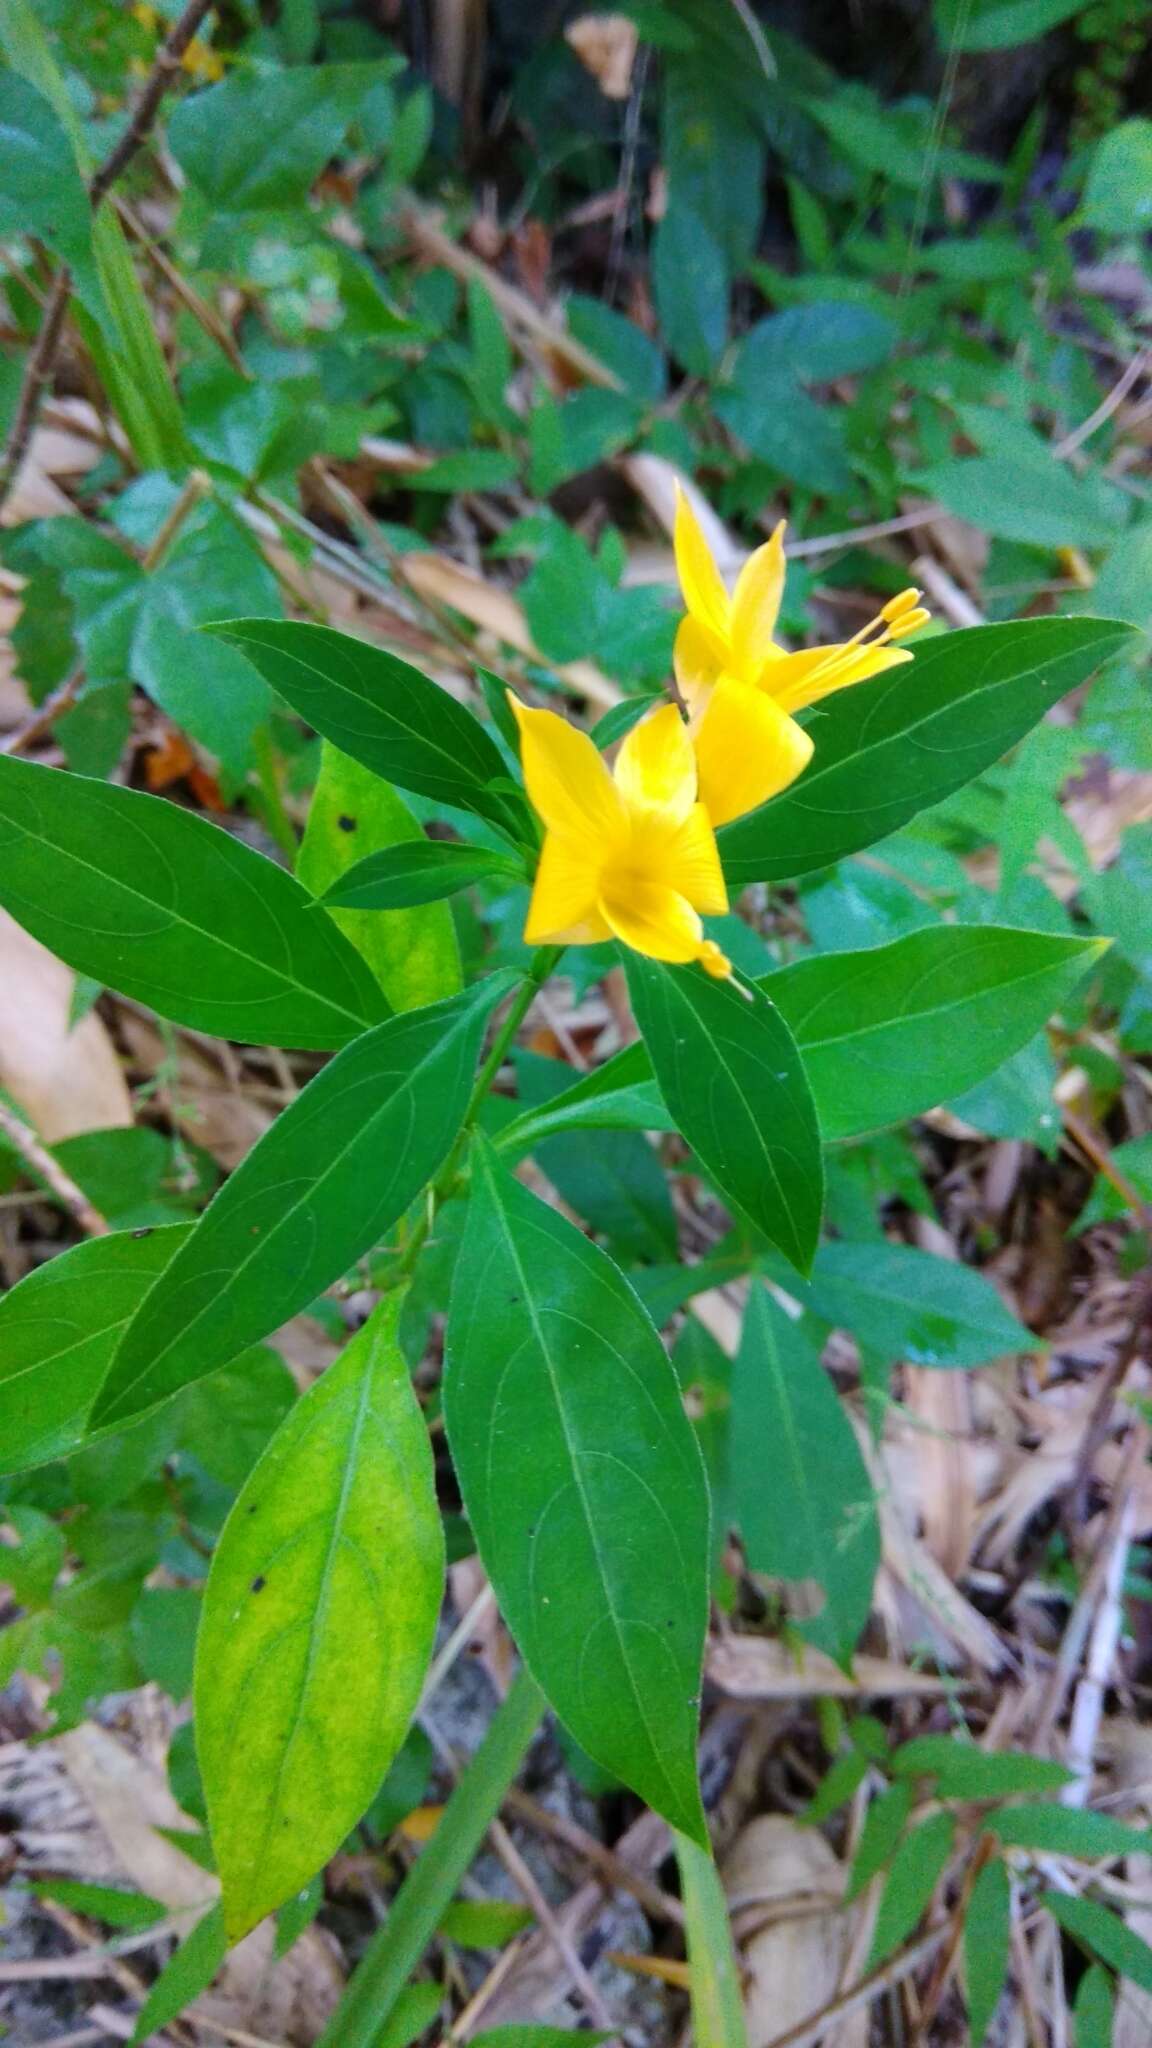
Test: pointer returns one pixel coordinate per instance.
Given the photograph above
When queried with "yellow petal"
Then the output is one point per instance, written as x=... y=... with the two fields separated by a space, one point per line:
x=567 y=781
x=653 y=919
x=698 y=658
x=700 y=580
x=815 y=672
x=747 y=749
x=693 y=864
x=756 y=603
x=656 y=768
x=564 y=909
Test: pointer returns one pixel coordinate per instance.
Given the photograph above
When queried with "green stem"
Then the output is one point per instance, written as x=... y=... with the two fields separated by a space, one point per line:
x=449 y=1177
x=276 y=818
x=419 y=1905
x=543 y=962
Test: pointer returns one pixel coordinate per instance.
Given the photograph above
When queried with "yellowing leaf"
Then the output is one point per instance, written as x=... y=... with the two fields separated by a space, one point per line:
x=318 y=1622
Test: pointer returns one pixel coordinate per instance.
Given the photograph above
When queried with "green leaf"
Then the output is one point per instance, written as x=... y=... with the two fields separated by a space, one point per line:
x=779 y=421
x=887 y=748
x=162 y=1631
x=537 y=2037
x=583 y=1484
x=987 y=1941
x=319 y=1618
x=418 y=871
x=413 y=953
x=32 y=1564
x=1068 y=1831
x=132 y=367
x=59 y=1328
x=620 y=1095
x=817 y=342
x=208 y=689
x=484 y=1923
x=906 y=1304
x=109 y=1903
x=1095 y=2009
x=917 y=1867
x=259 y=139
x=614 y=1182
x=620 y=344
x=153 y=901
x=426 y=1893
x=385 y=714
x=1039 y=501
x=190 y=1971
x=752 y=1122
x=336 y=1170
x=803 y=1498
x=42 y=193
x=1118 y=198
x=415 y=2010
x=1104 y=1935
x=690 y=280
x=890 y=1032
x=717 y=2000
x=839 y=1784
x=961 y=1771
x=1106 y=1203
x=884 y=1823
x=999 y=24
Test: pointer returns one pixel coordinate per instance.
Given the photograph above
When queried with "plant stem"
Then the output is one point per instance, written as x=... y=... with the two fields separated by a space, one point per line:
x=276 y=817
x=543 y=962
x=448 y=1179
x=430 y=1885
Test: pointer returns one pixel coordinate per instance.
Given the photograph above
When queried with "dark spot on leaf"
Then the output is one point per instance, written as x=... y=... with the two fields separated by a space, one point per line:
x=346 y=824
x=259 y=1583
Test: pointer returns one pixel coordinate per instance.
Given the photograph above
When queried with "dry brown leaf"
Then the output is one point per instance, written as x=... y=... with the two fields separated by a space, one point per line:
x=754 y=1668
x=1102 y=816
x=207 y=1106
x=942 y=1404
x=1130 y=1747
x=130 y=1800
x=606 y=46
x=495 y=610
x=64 y=1081
x=785 y=1891
x=655 y=479
x=290 y=2000
x=914 y=1594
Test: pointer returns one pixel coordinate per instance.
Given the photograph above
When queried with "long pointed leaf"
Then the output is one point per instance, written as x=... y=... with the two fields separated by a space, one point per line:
x=583 y=1484
x=336 y=1170
x=318 y=1621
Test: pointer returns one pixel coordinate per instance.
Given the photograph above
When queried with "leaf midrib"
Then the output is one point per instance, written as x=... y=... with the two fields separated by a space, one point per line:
x=363 y=1406
x=578 y=1482
x=404 y=1089
x=362 y=698
x=719 y=1055
x=852 y=760
x=1018 y=981
x=115 y=881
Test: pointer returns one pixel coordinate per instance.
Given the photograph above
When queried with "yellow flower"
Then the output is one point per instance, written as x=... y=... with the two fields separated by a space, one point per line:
x=628 y=853
x=741 y=689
